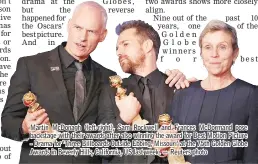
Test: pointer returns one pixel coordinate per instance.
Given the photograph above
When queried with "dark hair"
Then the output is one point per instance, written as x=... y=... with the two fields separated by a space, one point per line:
x=144 y=30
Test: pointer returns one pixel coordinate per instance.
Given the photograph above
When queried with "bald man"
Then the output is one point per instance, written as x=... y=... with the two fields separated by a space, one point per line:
x=51 y=77
x=67 y=83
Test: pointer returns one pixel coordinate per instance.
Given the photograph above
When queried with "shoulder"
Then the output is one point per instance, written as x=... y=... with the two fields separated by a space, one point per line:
x=244 y=88
x=39 y=57
x=194 y=86
x=245 y=85
x=103 y=69
x=102 y=72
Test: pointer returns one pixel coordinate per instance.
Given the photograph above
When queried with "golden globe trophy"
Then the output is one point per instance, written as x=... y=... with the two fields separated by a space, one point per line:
x=116 y=82
x=165 y=119
x=30 y=100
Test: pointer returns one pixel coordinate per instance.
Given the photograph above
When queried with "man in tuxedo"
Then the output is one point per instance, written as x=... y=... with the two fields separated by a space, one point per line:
x=66 y=81
x=137 y=48
x=54 y=78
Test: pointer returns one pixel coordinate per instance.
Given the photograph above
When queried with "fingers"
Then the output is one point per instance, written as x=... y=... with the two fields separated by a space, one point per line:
x=168 y=72
x=182 y=83
x=40 y=119
x=139 y=105
x=186 y=82
x=176 y=78
x=192 y=79
x=34 y=115
x=46 y=121
x=171 y=75
x=131 y=94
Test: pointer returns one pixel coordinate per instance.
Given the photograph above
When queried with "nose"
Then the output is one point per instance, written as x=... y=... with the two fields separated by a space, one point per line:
x=214 y=53
x=119 y=51
x=84 y=35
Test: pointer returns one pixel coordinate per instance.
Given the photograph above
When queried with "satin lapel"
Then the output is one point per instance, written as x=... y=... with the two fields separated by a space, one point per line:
x=54 y=66
x=94 y=85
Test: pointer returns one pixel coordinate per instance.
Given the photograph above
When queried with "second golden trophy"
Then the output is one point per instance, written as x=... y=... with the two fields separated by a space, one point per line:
x=30 y=101
x=116 y=82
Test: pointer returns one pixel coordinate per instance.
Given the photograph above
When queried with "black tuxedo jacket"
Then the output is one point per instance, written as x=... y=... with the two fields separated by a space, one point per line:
x=109 y=113
x=42 y=75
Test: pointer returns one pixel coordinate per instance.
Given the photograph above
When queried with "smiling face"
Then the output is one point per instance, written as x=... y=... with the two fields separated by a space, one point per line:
x=217 y=52
x=85 y=30
x=129 y=51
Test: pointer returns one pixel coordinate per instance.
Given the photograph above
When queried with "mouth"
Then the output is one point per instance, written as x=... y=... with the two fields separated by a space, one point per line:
x=122 y=58
x=215 y=63
x=80 y=45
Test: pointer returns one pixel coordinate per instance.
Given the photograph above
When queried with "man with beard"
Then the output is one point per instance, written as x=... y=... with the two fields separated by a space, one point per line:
x=137 y=48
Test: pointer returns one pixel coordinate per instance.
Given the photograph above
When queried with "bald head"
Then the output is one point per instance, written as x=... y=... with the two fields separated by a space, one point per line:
x=86 y=29
x=95 y=8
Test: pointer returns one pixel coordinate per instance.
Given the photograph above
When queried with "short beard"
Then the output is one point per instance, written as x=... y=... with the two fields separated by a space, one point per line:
x=130 y=66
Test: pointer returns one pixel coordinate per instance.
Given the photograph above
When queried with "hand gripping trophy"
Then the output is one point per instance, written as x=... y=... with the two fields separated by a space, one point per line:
x=116 y=82
x=165 y=119
x=30 y=100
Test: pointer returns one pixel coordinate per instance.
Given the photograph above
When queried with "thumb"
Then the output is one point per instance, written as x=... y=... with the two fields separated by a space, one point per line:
x=131 y=94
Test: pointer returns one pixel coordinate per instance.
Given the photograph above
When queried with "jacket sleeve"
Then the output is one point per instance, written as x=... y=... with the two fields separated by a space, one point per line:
x=14 y=111
x=250 y=152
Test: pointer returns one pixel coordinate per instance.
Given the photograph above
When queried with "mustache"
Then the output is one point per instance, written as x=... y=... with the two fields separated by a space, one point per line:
x=122 y=57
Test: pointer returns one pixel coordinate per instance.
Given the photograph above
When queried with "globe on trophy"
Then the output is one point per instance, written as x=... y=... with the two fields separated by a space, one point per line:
x=116 y=82
x=30 y=100
x=165 y=119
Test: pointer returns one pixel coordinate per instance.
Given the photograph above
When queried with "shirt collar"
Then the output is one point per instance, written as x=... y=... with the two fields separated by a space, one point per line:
x=154 y=77
x=68 y=59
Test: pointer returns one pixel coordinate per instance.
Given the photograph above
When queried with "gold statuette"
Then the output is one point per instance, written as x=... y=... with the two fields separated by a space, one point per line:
x=165 y=119
x=30 y=101
x=116 y=82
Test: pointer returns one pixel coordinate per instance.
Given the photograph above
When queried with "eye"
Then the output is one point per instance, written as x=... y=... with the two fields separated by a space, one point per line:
x=207 y=47
x=125 y=44
x=223 y=47
x=90 y=31
x=78 y=27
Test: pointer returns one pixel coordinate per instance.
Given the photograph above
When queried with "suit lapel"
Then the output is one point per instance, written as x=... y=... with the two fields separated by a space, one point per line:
x=94 y=85
x=131 y=85
x=54 y=66
x=161 y=98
